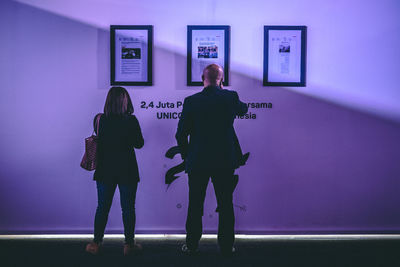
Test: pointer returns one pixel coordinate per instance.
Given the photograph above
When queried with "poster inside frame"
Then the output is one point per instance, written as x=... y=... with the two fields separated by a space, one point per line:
x=207 y=44
x=285 y=55
x=131 y=54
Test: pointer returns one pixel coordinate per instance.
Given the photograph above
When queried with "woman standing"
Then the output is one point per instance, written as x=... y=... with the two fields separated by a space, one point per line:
x=119 y=133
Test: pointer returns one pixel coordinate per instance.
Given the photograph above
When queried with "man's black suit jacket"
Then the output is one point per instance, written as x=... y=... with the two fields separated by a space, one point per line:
x=207 y=119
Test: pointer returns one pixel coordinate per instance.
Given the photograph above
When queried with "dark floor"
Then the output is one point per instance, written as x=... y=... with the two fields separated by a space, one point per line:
x=166 y=252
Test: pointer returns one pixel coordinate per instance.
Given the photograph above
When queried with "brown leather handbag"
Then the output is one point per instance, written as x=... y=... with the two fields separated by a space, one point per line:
x=89 y=159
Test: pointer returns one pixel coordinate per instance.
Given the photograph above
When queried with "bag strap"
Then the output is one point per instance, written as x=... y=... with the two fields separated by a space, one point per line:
x=98 y=116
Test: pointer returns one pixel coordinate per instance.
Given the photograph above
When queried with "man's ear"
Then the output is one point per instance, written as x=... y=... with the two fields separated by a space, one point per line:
x=202 y=78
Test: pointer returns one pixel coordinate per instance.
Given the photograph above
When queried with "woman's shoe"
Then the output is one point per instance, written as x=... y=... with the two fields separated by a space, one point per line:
x=132 y=248
x=93 y=248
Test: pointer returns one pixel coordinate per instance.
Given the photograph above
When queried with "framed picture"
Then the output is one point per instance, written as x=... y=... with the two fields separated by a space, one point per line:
x=131 y=54
x=285 y=55
x=207 y=45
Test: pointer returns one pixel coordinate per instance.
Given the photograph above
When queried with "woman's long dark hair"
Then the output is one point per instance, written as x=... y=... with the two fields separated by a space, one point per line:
x=118 y=102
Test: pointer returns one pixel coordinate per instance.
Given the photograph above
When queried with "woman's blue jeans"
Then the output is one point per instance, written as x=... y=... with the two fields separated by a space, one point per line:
x=105 y=194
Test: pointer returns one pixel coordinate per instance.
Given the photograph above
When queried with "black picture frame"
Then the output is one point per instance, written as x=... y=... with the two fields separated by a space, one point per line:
x=149 y=80
x=303 y=54
x=226 y=29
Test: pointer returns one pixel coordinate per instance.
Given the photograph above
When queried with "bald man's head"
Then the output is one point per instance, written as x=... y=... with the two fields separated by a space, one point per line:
x=213 y=75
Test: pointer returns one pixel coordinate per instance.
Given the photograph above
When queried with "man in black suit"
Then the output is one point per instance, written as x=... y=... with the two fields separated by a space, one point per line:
x=207 y=118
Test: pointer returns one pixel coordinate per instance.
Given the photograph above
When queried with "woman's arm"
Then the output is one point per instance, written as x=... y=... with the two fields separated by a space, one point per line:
x=137 y=137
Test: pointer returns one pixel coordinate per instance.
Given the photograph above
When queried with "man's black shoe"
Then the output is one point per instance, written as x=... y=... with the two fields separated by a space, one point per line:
x=228 y=252
x=187 y=251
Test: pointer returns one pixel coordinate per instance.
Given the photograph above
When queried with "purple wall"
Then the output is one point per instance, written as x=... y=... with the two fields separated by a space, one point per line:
x=316 y=165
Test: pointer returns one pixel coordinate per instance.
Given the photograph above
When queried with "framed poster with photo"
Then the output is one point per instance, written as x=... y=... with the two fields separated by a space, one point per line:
x=285 y=55
x=131 y=54
x=207 y=45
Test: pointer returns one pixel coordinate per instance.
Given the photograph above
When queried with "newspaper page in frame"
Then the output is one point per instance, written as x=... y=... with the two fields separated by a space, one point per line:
x=131 y=55
x=284 y=56
x=208 y=47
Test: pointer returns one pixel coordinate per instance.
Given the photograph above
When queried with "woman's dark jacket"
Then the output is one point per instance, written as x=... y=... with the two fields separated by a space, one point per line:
x=116 y=158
